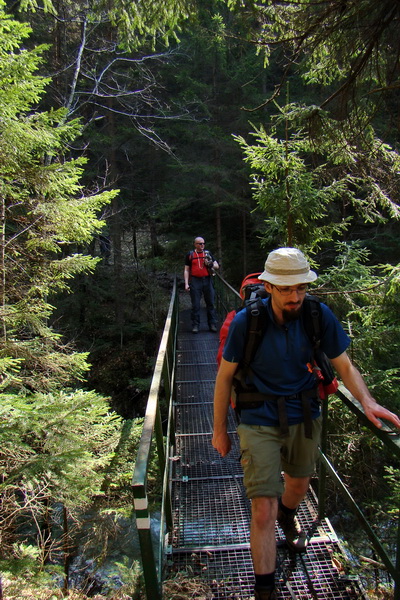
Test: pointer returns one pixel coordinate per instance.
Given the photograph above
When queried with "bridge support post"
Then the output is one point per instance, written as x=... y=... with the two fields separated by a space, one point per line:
x=151 y=577
x=153 y=587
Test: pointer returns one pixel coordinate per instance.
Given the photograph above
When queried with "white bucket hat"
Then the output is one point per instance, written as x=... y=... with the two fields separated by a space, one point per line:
x=287 y=266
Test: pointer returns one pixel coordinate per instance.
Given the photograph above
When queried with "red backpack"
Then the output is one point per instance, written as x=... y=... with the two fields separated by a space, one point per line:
x=250 y=289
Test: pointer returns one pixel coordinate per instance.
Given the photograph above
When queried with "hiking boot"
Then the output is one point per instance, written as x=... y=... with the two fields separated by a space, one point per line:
x=264 y=593
x=195 y=329
x=213 y=328
x=296 y=539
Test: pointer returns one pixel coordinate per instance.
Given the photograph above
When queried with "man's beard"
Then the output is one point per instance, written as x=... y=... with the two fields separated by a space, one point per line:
x=291 y=315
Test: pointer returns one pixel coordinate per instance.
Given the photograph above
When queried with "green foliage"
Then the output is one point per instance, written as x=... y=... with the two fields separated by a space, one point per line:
x=33 y=585
x=289 y=193
x=349 y=278
x=44 y=213
x=54 y=449
x=56 y=445
x=346 y=45
x=27 y=565
x=362 y=462
x=151 y=18
x=55 y=441
x=135 y=22
x=140 y=383
x=9 y=369
x=365 y=298
x=393 y=478
x=18 y=91
x=118 y=477
x=32 y=5
x=320 y=176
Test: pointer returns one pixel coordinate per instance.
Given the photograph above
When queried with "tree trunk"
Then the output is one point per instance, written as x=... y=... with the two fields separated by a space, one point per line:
x=3 y=265
x=116 y=234
x=155 y=251
x=219 y=238
x=134 y=244
x=244 y=242
x=67 y=551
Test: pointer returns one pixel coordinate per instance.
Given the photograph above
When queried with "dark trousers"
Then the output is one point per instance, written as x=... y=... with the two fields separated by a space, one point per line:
x=202 y=286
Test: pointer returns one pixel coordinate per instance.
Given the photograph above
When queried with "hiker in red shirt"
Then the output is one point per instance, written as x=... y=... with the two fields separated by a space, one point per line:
x=199 y=265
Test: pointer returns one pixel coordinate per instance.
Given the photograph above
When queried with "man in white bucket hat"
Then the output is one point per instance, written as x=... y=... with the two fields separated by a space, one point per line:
x=281 y=374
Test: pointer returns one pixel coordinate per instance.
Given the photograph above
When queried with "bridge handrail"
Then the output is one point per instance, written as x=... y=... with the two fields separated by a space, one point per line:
x=230 y=299
x=162 y=381
x=227 y=298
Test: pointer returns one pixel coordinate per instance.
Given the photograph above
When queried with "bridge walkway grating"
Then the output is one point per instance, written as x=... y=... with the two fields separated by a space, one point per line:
x=211 y=514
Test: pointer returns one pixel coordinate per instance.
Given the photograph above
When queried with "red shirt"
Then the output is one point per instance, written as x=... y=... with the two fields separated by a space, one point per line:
x=197 y=267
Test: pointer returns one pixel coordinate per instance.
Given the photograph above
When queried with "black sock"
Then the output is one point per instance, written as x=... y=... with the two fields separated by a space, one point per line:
x=267 y=580
x=285 y=509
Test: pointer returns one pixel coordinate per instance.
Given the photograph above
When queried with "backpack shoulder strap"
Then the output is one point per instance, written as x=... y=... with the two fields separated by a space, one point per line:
x=312 y=321
x=312 y=317
x=257 y=317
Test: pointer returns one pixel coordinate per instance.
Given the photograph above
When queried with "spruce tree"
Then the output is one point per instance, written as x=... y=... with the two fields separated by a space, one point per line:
x=55 y=439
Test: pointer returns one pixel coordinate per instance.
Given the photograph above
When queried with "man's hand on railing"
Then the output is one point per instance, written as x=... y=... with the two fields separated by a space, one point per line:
x=375 y=411
x=356 y=385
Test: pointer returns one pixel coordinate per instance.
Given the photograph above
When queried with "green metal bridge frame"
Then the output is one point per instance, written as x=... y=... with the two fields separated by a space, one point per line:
x=162 y=388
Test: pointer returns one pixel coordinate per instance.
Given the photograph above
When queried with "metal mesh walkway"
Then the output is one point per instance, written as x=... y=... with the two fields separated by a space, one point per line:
x=210 y=537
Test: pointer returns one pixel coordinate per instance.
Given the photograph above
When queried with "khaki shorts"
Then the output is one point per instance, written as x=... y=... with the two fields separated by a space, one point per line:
x=265 y=454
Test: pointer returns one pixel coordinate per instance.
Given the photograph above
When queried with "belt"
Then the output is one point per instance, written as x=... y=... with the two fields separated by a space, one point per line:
x=205 y=277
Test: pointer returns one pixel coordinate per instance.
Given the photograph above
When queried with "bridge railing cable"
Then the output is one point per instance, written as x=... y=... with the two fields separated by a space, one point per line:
x=162 y=387
x=228 y=299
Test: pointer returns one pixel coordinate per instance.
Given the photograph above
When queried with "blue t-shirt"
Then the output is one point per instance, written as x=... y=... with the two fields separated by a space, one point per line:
x=280 y=363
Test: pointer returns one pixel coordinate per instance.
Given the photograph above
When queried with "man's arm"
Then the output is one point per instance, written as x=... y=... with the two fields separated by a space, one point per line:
x=186 y=274
x=354 y=382
x=222 y=394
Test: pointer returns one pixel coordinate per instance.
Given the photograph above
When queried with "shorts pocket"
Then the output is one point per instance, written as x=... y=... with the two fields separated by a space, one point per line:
x=245 y=458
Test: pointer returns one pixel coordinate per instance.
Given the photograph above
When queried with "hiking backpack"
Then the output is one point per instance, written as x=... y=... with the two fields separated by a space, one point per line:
x=252 y=291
